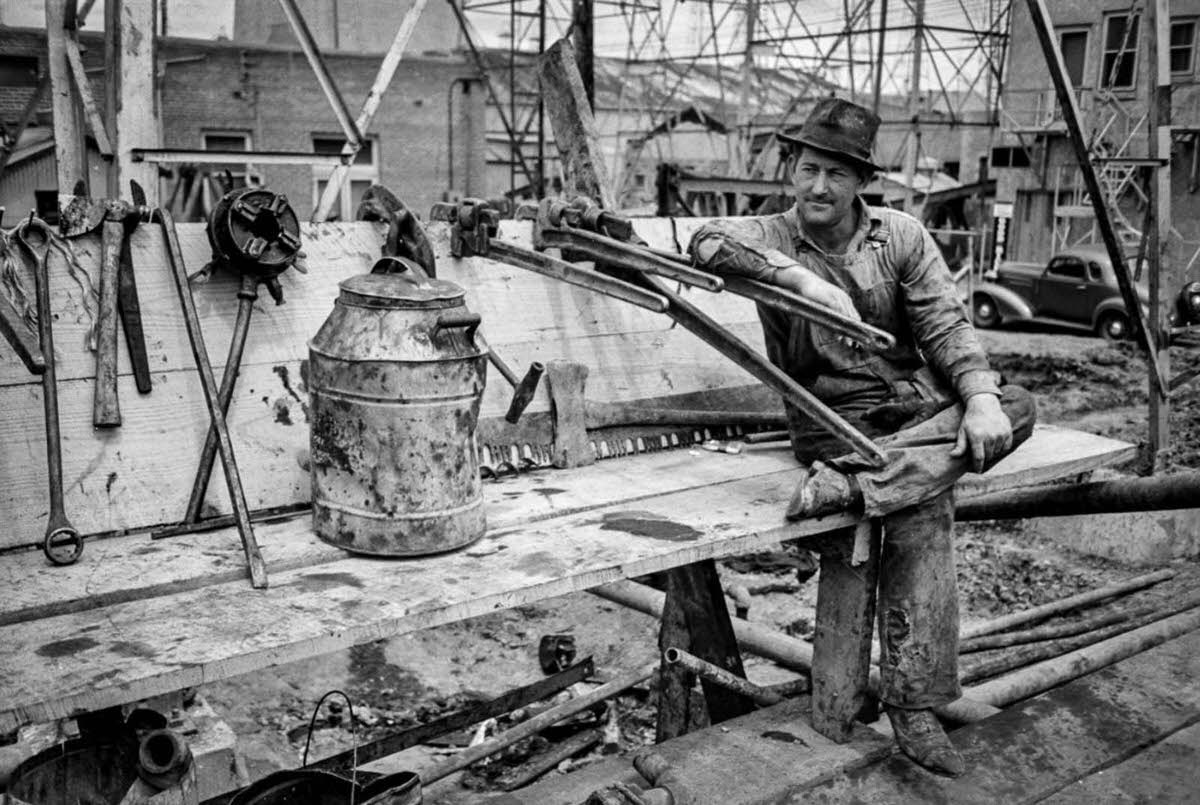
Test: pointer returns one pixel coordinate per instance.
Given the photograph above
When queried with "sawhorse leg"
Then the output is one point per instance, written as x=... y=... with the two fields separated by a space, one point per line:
x=696 y=619
x=845 y=620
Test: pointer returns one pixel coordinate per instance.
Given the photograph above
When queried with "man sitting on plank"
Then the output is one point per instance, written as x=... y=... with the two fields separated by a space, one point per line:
x=881 y=266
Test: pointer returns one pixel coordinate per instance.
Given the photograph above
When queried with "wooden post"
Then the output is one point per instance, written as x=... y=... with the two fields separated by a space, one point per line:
x=1158 y=123
x=878 y=68
x=132 y=97
x=842 y=642
x=695 y=613
x=584 y=25
x=69 y=154
x=583 y=163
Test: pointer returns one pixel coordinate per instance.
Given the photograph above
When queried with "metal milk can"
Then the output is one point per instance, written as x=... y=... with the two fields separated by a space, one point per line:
x=395 y=383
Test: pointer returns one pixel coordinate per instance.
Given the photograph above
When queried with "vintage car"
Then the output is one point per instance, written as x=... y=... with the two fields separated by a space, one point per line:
x=1076 y=289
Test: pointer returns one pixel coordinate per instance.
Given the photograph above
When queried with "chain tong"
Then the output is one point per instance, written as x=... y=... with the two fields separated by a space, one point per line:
x=584 y=231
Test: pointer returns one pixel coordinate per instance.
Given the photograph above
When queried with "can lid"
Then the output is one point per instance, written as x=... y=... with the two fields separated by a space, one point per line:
x=398 y=291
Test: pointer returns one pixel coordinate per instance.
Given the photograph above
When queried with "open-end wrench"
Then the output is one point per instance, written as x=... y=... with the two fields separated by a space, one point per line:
x=62 y=544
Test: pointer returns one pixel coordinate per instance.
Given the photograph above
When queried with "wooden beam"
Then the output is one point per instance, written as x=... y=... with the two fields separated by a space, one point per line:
x=383 y=79
x=132 y=94
x=1073 y=120
x=313 y=53
x=84 y=87
x=584 y=166
x=39 y=92
x=69 y=154
x=584 y=26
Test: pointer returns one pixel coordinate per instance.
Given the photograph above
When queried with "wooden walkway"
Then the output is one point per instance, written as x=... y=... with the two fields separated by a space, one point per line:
x=1124 y=734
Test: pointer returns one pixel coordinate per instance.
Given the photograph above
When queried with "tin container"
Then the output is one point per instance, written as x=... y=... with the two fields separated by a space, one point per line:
x=395 y=382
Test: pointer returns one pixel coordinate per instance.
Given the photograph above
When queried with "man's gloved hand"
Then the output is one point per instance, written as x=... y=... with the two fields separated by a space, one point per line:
x=985 y=430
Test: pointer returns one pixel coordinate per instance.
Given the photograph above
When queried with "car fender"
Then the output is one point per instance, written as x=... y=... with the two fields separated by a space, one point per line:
x=1009 y=304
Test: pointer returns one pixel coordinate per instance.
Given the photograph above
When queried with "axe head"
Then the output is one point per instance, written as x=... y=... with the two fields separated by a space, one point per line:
x=567 y=382
x=80 y=215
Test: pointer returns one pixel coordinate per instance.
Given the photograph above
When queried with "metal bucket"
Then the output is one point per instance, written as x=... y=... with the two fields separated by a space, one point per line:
x=395 y=383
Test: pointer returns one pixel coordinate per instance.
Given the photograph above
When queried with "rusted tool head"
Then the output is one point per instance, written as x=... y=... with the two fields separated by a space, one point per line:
x=406 y=237
x=81 y=214
x=567 y=383
x=473 y=224
x=255 y=232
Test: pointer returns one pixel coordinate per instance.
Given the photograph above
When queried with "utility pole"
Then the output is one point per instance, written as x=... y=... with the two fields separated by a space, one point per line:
x=132 y=98
x=914 y=105
x=1158 y=123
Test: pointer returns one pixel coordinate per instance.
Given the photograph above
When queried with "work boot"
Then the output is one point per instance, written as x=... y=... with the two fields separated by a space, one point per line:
x=921 y=737
x=823 y=491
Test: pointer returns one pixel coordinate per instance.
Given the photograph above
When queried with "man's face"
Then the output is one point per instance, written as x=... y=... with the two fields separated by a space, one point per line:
x=825 y=187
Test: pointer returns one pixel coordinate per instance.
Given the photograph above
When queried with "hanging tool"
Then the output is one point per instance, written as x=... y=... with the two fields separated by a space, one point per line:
x=257 y=567
x=116 y=220
x=62 y=544
x=634 y=266
x=584 y=231
x=473 y=225
x=256 y=234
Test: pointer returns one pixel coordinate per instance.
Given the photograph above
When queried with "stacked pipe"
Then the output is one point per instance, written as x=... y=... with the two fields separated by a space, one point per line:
x=1047 y=655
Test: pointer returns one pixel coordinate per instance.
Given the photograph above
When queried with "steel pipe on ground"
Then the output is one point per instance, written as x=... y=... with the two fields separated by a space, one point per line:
x=787 y=651
x=1156 y=493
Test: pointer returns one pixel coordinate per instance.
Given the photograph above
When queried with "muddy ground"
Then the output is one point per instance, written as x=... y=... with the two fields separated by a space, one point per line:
x=1080 y=382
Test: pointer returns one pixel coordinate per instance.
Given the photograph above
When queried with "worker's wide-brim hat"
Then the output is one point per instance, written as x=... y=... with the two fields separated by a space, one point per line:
x=841 y=128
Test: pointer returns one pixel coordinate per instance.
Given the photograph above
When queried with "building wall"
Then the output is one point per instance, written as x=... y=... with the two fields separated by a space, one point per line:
x=351 y=26
x=1029 y=105
x=271 y=95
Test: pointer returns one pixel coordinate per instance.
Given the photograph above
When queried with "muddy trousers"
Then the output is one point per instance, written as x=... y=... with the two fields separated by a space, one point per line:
x=917 y=602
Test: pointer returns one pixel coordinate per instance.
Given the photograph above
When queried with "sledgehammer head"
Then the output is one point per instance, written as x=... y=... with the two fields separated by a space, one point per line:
x=566 y=382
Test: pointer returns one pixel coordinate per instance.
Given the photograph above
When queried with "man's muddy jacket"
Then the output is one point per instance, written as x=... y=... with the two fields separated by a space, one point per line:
x=897 y=279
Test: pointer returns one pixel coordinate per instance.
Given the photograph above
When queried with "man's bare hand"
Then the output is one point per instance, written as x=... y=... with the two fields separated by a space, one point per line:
x=985 y=430
x=815 y=289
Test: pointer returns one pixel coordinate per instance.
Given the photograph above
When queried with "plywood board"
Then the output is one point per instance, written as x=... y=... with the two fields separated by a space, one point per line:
x=124 y=478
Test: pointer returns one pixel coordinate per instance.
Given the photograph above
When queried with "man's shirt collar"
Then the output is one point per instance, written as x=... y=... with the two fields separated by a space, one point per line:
x=872 y=228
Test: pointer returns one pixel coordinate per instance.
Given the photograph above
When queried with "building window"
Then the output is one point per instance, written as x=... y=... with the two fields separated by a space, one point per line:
x=18 y=71
x=364 y=172
x=1010 y=157
x=1073 y=44
x=1183 y=45
x=1118 y=68
x=230 y=175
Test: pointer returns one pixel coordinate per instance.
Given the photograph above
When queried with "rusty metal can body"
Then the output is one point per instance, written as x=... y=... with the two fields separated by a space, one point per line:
x=395 y=383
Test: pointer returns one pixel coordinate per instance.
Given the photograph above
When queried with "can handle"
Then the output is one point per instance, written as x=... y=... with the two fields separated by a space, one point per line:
x=458 y=318
x=409 y=269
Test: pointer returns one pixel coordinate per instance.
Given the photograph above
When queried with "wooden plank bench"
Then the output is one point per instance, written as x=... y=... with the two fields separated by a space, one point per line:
x=138 y=617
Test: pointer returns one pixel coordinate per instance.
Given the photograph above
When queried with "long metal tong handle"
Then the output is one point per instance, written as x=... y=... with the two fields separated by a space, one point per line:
x=237 y=497
x=570 y=273
x=793 y=303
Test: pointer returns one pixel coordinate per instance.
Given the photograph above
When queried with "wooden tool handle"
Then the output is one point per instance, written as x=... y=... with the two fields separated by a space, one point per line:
x=106 y=410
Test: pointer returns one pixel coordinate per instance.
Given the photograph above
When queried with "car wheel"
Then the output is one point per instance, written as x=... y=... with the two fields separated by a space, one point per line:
x=1113 y=326
x=985 y=313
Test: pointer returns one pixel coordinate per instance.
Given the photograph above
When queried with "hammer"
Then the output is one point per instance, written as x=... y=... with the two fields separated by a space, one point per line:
x=116 y=219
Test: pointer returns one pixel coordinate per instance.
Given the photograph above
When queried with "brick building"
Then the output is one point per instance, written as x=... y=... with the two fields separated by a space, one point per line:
x=1038 y=182
x=221 y=95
